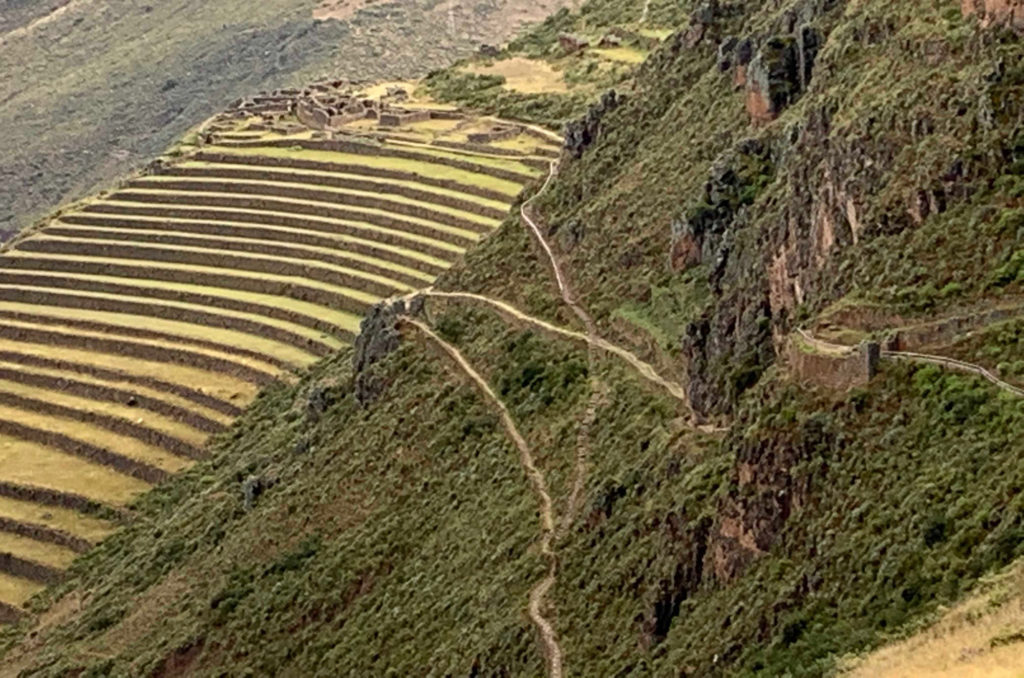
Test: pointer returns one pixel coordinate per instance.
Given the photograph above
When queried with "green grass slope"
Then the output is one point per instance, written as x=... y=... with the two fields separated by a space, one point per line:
x=374 y=519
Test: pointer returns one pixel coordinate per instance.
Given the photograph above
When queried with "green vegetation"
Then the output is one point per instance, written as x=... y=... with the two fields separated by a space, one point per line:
x=372 y=514
x=195 y=289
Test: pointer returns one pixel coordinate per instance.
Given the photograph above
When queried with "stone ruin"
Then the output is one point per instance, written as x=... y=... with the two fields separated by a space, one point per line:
x=496 y=133
x=328 y=106
x=396 y=117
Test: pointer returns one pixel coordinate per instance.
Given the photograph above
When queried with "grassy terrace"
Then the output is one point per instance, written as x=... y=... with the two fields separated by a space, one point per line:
x=139 y=322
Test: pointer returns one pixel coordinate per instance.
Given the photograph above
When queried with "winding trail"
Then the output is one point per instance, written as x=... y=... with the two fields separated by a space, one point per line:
x=643 y=368
x=547 y=514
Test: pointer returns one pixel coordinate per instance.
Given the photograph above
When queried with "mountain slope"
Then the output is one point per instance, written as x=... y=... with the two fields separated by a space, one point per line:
x=767 y=169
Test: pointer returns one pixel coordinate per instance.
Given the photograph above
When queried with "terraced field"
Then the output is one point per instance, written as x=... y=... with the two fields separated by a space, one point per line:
x=140 y=322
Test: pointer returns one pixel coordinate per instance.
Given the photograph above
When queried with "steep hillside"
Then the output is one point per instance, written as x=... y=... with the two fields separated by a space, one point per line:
x=737 y=393
x=92 y=89
x=139 y=322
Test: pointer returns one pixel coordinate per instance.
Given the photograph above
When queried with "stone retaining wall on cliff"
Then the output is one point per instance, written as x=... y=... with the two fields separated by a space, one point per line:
x=833 y=371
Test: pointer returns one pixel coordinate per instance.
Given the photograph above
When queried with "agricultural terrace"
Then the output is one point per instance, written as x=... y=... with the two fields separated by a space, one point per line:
x=140 y=322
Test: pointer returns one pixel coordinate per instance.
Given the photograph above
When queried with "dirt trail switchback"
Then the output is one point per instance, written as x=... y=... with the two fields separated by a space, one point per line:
x=540 y=489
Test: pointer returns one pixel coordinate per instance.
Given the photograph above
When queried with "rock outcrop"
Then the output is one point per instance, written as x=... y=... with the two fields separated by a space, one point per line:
x=378 y=338
x=580 y=134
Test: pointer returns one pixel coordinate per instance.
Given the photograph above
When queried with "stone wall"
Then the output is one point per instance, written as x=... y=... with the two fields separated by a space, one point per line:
x=834 y=371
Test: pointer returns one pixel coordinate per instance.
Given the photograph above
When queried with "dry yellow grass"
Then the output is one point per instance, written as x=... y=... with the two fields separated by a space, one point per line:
x=55 y=517
x=15 y=590
x=982 y=637
x=135 y=415
x=525 y=75
x=125 y=386
x=41 y=552
x=628 y=55
x=381 y=89
x=228 y=338
x=220 y=386
x=94 y=435
x=423 y=167
x=28 y=463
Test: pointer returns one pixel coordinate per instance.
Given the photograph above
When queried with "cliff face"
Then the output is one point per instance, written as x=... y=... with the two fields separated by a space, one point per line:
x=822 y=148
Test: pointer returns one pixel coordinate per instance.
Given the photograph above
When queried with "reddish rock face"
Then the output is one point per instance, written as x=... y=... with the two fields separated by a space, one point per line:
x=759 y=107
x=996 y=12
x=685 y=253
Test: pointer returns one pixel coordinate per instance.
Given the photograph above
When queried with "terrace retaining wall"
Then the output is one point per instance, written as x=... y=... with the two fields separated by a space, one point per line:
x=211 y=259
x=253 y=284
x=258 y=204
x=45 y=534
x=260 y=218
x=340 y=181
x=226 y=303
x=345 y=168
x=62 y=443
x=118 y=347
x=28 y=569
x=192 y=395
x=185 y=315
x=113 y=395
x=314 y=195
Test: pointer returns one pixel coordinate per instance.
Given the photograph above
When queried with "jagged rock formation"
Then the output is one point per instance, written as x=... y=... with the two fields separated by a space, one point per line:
x=580 y=134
